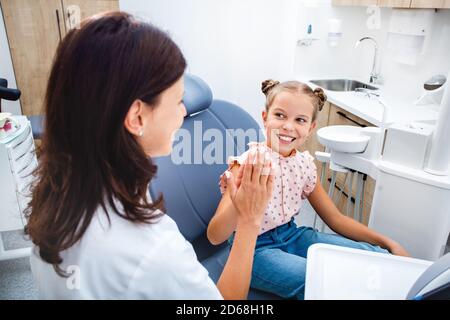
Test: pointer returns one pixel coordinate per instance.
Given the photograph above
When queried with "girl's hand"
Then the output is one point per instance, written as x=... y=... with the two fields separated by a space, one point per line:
x=397 y=249
x=251 y=190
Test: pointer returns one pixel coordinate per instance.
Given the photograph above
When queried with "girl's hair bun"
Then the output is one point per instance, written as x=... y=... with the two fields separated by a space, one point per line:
x=268 y=85
x=322 y=97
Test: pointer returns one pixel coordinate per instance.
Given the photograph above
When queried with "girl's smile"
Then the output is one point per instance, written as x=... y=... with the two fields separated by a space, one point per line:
x=286 y=139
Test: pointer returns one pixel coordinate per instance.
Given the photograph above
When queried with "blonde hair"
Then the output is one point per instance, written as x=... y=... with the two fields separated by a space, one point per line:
x=272 y=88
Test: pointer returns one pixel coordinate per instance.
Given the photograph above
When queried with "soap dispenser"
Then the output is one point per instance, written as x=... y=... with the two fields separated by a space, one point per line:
x=308 y=39
x=334 y=32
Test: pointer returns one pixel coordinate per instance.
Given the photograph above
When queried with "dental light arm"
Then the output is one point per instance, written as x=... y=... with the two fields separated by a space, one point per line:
x=439 y=157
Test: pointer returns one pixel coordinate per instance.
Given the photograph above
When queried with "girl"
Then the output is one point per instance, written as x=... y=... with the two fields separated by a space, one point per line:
x=280 y=256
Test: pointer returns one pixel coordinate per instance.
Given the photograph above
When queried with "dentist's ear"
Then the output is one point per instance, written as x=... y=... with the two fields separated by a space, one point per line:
x=134 y=122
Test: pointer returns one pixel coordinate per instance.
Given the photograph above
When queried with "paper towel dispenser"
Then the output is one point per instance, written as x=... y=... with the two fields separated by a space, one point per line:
x=411 y=22
x=408 y=34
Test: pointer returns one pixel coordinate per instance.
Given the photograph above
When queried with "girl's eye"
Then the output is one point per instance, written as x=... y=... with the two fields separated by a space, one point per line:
x=279 y=115
x=301 y=120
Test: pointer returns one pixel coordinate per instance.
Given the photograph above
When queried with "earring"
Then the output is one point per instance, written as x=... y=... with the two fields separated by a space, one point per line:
x=141 y=133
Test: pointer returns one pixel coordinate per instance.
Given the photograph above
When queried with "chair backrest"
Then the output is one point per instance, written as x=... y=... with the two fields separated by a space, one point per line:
x=188 y=179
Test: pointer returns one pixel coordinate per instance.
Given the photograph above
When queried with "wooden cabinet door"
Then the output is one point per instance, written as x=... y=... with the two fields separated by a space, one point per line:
x=355 y=2
x=442 y=4
x=394 y=3
x=439 y=4
x=339 y=116
x=77 y=10
x=34 y=34
x=34 y=29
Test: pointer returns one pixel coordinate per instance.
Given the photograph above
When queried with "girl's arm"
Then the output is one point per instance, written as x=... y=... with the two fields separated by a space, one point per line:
x=346 y=226
x=224 y=221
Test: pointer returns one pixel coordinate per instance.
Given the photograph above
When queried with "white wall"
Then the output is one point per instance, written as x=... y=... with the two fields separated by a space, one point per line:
x=234 y=44
x=6 y=69
x=231 y=44
x=402 y=81
x=321 y=60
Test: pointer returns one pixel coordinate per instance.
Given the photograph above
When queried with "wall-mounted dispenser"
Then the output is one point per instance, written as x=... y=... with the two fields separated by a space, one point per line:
x=334 y=32
x=408 y=34
x=308 y=39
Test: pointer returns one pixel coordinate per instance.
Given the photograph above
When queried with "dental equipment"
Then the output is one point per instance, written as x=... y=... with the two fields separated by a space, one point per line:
x=411 y=203
x=337 y=273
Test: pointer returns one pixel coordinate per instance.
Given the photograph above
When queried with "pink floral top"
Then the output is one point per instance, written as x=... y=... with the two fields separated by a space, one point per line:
x=295 y=179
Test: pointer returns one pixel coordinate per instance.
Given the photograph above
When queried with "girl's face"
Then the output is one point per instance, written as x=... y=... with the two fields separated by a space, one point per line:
x=288 y=122
x=161 y=122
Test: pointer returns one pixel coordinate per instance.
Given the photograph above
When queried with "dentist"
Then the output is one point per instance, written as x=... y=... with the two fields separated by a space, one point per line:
x=114 y=99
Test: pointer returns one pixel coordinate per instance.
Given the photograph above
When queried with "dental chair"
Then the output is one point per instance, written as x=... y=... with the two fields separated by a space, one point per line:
x=191 y=191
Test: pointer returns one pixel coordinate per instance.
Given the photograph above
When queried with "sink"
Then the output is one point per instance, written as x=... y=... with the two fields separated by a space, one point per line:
x=347 y=139
x=342 y=84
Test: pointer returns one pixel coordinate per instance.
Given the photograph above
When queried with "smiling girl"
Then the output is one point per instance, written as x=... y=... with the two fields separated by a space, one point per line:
x=280 y=257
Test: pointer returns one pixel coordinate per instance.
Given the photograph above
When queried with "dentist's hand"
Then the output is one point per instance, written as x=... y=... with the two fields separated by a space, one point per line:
x=251 y=190
x=250 y=199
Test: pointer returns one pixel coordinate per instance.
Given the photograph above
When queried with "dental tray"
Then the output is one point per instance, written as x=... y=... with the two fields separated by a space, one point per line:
x=334 y=272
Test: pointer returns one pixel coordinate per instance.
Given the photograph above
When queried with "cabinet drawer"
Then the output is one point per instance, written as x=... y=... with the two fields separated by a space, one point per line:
x=23 y=180
x=23 y=187
x=25 y=177
x=339 y=116
x=19 y=165
x=19 y=149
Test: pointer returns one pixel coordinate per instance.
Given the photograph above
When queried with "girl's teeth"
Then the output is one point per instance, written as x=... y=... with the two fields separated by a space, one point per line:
x=287 y=139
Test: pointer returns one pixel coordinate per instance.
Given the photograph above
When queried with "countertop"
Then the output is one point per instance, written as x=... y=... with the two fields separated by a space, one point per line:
x=401 y=110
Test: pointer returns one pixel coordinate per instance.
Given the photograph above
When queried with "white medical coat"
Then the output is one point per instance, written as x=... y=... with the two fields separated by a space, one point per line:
x=124 y=260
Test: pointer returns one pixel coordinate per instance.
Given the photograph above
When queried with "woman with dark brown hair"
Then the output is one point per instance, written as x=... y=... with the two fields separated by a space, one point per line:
x=114 y=99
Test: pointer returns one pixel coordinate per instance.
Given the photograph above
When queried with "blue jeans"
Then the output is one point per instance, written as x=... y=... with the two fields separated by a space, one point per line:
x=279 y=265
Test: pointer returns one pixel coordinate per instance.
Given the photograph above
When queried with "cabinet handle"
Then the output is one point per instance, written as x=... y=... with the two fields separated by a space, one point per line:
x=59 y=25
x=346 y=117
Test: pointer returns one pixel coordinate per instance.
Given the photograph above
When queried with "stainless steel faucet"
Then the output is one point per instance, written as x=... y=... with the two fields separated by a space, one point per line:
x=373 y=74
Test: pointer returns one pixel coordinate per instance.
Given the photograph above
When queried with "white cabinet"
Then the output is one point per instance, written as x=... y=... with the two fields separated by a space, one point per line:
x=17 y=163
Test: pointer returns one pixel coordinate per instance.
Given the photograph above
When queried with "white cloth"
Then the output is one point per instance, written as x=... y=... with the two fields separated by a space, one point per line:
x=123 y=260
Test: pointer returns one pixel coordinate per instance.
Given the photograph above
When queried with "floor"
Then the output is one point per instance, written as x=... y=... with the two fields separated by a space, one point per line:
x=16 y=282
